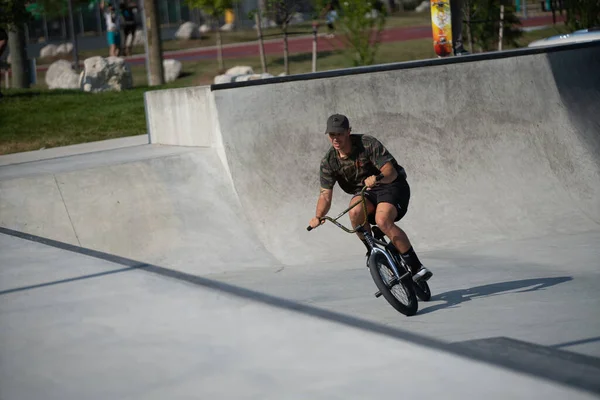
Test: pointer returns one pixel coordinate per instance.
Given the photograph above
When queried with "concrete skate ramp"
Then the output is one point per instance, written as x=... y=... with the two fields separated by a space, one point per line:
x=494 y=149
x=177 y=208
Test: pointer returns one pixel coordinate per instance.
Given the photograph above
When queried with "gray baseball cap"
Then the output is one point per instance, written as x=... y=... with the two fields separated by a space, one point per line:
x=337 y=123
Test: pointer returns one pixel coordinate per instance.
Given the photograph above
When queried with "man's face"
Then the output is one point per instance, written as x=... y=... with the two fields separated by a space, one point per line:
x=339 y=140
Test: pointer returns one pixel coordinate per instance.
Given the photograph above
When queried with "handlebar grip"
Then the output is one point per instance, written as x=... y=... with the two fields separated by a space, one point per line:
x=379 y=177
x=309 y=228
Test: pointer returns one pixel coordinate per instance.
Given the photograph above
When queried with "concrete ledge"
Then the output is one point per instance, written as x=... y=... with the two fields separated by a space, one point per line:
x=76 y=149
x=494 y=55
x=181 y=117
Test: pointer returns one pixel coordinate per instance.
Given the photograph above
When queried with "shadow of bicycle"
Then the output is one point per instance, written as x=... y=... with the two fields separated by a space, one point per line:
x=456 y=297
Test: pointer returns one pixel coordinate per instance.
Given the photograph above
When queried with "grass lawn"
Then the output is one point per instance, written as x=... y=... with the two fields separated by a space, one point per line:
x=35 y=119
x=39 y=118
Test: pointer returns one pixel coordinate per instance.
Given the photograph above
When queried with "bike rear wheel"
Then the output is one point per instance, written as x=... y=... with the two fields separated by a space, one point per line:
x=400 y=294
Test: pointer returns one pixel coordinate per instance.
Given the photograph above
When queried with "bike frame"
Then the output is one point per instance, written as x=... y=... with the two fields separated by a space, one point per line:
x=371 y=240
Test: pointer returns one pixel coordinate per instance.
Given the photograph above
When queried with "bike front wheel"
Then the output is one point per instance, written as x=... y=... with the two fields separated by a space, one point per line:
x=400 y=294
x=422 y=290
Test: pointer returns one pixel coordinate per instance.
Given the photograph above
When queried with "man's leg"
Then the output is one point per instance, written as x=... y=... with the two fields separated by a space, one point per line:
x=357 y=217
x=385 y=215
x=457 y=27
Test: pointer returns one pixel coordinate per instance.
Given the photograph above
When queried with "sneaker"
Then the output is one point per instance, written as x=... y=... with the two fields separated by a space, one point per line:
x=422 y=274
x=462 y=53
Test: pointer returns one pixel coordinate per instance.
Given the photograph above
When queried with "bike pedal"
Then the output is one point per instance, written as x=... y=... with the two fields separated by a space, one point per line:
x=378 y=294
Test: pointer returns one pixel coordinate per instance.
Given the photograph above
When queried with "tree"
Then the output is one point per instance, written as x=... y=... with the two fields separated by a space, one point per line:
x=13 y=17
x=54 y=8
x=484 y=18
x=582 y=14
x=215 y=10
x=156 y=75
x=361 y=22
x=281 y=12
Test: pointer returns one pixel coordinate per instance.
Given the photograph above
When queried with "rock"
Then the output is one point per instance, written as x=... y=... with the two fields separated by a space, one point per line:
x=282 y=74
x=266 y=23
x=424 y=6
x=138 y=38
x=240 y=70
x=65 y=48
x=48 y=51
x=60 y=75
x=297 y=18
x=227 y=28
x=372 y=14
x=227 y=78
x=105 y=74
x=223 y=79
x=204 y=28
x=172 y=69
x=244 y=78
x=187 y=30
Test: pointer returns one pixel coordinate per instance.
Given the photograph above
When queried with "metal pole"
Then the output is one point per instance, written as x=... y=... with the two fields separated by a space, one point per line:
x=63 y=25
x=73 y=36
x=167 y=12
x=26 y=30
x=178 y=11
x=314 y=54
x=98 y=19
x=501 y=27
x=81 y=25
x=45 y=28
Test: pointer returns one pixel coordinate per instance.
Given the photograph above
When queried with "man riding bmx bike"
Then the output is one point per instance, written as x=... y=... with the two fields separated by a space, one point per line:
x=355 y=161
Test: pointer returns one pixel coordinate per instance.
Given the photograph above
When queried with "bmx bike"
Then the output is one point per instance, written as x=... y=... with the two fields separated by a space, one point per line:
x=391 y=274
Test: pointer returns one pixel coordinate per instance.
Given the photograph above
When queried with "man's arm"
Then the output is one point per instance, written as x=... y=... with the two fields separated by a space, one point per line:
x=324 y=202
x=323 y=205
x=389 y=173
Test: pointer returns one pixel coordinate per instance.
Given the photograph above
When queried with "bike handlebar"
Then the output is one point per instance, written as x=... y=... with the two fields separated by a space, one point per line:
x=362 y=195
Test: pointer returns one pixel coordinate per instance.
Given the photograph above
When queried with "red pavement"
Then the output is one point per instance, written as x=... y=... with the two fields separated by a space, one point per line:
x=304 y=44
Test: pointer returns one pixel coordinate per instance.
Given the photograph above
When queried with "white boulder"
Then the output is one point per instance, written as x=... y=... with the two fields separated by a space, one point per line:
x=424 y=6
x=187 y=30
x=48 y=51
x=253 y=77
x=105 y=74
x=204 y=28
x=227 y=28
x=297 y=18
x=240 y=70
x=172 y=69
x=60 y=75
x=65 y=48
x=223 y=79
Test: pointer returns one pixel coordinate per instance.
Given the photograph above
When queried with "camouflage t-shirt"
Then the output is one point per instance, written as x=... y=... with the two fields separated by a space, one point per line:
x=367 y=157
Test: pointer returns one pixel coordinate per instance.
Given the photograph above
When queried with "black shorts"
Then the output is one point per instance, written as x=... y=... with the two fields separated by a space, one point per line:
x=129 y=30
x=396 y=193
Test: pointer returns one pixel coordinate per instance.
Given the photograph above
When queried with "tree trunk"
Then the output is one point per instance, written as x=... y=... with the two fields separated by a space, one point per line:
x=18 y=54
x=261 y=46
x=73 y=37
x=219 y=49
x=155 y=56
